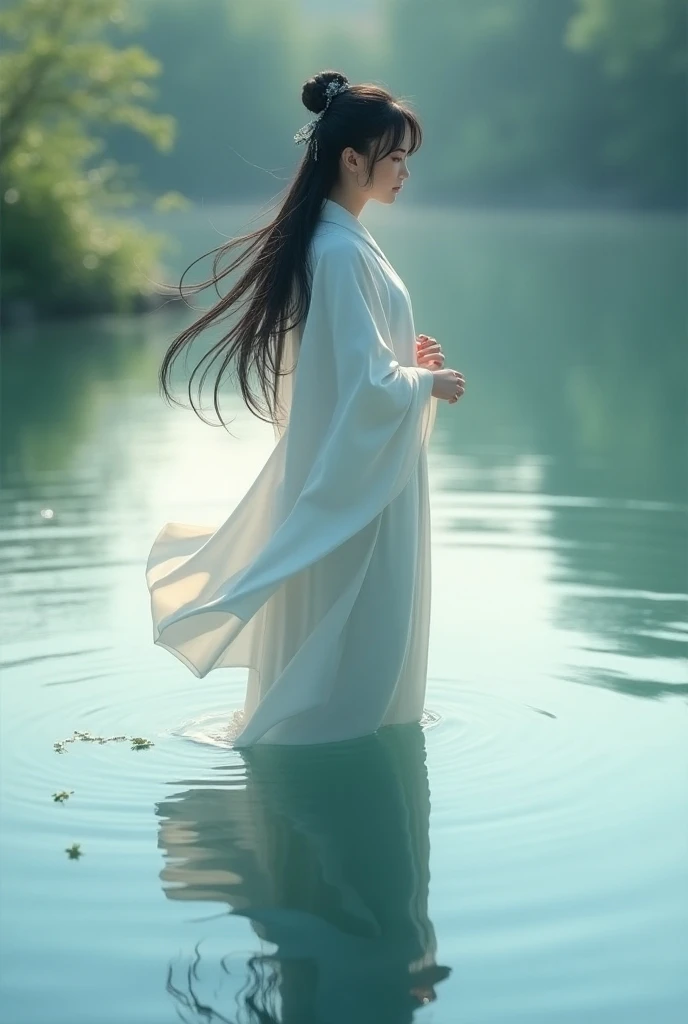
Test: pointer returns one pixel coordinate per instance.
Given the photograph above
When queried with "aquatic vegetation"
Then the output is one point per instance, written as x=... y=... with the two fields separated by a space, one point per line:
x=138 y=742
x=60 y=747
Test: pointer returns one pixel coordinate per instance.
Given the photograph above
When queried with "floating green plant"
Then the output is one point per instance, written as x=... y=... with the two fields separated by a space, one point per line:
x=138 y=742
x=74 y=851
x=63 y=795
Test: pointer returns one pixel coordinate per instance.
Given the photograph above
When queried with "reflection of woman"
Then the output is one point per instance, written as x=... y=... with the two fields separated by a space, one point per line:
x=326 y=852
x=319 y=581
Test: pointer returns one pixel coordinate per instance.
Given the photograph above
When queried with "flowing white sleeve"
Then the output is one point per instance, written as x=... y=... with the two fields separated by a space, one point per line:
x=361 y=463
x=375 y=434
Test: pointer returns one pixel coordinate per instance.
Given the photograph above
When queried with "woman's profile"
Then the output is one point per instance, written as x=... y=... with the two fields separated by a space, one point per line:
x=319 y=580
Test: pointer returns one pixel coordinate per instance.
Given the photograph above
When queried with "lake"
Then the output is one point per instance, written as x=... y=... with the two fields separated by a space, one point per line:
x=523 y=856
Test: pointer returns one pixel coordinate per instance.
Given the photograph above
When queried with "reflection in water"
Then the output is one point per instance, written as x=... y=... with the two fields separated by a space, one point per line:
x=62 y=391
x=325 y=850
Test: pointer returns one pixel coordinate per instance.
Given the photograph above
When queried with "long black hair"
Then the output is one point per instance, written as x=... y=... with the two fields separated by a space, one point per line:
x=275 y=287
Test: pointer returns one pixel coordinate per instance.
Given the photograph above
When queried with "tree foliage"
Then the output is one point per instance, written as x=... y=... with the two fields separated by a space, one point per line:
x=642 y=47
x=226 y=69
x=60 y=85
x=534 y=99
x=625 y=33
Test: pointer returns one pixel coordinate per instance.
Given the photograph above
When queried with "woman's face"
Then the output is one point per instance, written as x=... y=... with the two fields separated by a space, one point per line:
x=391 y=172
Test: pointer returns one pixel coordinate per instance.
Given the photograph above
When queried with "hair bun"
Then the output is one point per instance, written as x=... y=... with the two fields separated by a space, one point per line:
x=313 y=95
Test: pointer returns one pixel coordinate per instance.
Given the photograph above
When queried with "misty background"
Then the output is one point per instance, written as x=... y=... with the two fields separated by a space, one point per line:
x=523 y=101
x=155 y=104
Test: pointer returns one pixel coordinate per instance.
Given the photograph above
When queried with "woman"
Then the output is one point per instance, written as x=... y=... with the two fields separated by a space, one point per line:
x=319 y=581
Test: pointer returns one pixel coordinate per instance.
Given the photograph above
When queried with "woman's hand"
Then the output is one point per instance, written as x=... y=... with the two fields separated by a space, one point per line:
x=448 y=385
x=429 y=352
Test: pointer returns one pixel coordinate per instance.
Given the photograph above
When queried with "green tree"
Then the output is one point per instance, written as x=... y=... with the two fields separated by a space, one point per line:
x=546 y=100
x=229 y=75
x=60 y=86
x=627 y=32
x=506 y=106
x=642 y=47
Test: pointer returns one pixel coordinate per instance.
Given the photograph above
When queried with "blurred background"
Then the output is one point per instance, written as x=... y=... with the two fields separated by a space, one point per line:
x=539 y=104
x=542 y=237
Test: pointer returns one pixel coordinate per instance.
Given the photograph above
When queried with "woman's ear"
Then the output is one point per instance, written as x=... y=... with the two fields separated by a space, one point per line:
x=351 y=159
x=348 y=158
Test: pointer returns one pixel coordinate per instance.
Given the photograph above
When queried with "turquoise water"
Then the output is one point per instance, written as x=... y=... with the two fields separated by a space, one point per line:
x=525 y=852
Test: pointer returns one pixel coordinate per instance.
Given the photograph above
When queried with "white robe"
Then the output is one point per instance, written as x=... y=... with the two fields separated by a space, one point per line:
x=319 y=580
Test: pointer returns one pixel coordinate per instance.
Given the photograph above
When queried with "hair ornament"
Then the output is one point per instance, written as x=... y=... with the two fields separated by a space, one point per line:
x=305 y=134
